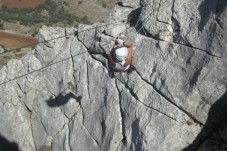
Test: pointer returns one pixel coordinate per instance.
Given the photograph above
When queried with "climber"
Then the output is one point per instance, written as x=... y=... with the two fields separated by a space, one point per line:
x=120 y=57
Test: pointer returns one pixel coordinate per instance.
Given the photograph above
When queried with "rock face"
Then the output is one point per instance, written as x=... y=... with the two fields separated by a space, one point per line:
x=1 y=49
x=61 y=97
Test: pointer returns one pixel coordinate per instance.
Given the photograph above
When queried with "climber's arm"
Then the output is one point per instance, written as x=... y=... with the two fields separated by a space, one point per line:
x=128 y=60
x=112 y=62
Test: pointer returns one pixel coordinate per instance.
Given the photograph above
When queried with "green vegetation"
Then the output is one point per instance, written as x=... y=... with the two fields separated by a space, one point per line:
x=1 y=26
x=189 y=122
x=103 y=3
x=34 y=33
x=48 y=13
x=3 y=47
x=18 y=49
x=7 y=57
x=85 y=20
x=71 y=86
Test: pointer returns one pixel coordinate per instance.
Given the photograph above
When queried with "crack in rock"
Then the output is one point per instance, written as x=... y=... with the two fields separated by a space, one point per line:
x=213 y=28
x=88 y=81
x=70 y=147
x=124 y=139
x=169 y=100
x=73 y=62
x=26 y=106
x=21 y=88
x=43 y=126
x=183 y=44
x=217 y=17
x=137 y=99
x=30 y=126
x=96 y=142
x=91 y=53
x=82 y=109
x=69 y=130
x=83 y=118
x=92 y=56
x=60 y=130
x=219 y=23
x=32 y=133
x=83 y=123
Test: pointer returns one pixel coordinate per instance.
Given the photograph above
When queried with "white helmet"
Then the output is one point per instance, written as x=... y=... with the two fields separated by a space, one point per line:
x=121 y=54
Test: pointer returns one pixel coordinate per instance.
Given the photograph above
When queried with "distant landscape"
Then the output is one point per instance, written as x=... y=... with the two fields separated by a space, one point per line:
x=27 y=16
x=21 y=3
x=21 y=18
x=16 y=40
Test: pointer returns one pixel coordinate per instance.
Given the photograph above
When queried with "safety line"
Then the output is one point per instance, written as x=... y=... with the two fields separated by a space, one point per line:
x=58 y=61
x=42 y=68
x=74 y=33
x=66 y=35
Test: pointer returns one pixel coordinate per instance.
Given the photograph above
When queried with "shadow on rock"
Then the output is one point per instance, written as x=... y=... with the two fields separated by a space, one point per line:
x=135 y=21
x=136 y=136
x=134 y=17
x=5 y=145
x=62 y=99
x=216 y=122
x=209 y=7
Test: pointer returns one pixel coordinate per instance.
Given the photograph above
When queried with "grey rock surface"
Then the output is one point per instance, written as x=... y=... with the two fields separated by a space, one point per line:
x=61 y=95
x=128 y=3
x=198 y=24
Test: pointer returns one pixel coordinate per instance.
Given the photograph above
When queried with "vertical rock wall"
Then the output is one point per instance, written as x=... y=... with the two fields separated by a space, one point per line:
x=61 y=96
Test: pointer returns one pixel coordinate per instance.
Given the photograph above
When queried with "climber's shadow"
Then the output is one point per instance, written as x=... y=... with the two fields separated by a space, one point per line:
x=217 y=120
x=209 y=7
x=62 y=99
x=5 y=145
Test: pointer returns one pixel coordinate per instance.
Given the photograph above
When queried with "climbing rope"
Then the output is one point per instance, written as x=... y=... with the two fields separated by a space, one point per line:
x=66 y=35
x=43 y=68
x=45 y=41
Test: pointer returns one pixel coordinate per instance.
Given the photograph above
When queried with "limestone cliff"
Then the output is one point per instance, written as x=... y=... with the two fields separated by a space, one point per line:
x=61 y=97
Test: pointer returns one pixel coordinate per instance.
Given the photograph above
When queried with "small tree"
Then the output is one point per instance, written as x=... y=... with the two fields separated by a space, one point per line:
x=85 y=20
x=1 y=26
x=18 y=50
